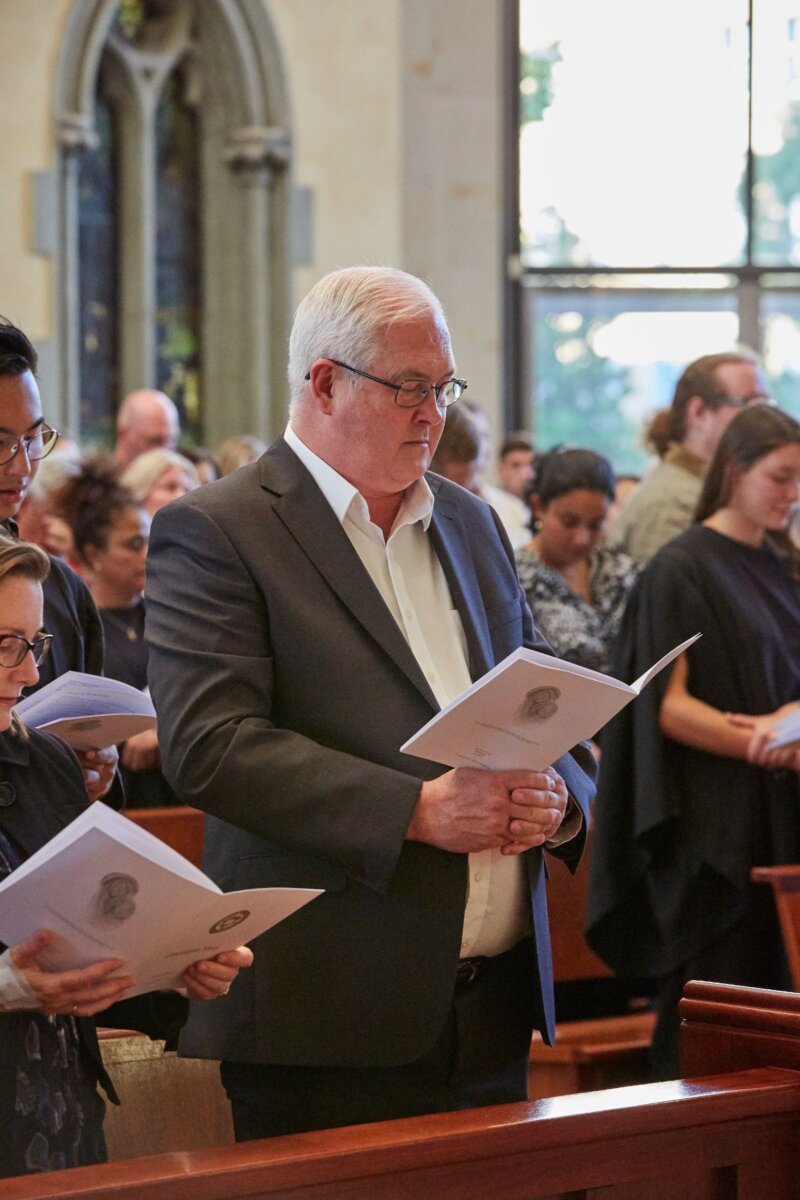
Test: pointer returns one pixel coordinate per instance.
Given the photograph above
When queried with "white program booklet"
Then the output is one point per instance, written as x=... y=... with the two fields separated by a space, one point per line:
x=88 y=711
x=787 y=731
x=526 y=712
x=107 y=889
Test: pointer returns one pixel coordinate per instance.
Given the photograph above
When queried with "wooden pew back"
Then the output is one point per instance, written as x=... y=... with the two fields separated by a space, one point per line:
x=785 y=883
x=718 y=1137
x=180 y=827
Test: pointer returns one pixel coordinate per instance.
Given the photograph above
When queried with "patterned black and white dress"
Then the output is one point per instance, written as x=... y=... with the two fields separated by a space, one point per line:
x=578 y=631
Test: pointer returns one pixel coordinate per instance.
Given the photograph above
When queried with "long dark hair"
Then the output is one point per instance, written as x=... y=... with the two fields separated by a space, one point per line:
x=752 y=434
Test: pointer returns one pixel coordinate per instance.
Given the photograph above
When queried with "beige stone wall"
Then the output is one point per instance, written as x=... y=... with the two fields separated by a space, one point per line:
x=31 y=32
x=342 y=66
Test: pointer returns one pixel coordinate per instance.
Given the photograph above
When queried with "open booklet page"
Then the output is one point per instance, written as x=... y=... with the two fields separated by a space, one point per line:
x=108 y=889
x=526 y=712
x=787 y=730
x=88 y=711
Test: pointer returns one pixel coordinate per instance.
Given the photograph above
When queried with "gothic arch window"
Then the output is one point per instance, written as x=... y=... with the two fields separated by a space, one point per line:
x=173 y=187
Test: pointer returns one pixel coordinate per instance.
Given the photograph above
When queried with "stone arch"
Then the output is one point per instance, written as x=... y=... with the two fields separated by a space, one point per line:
x=246 y=186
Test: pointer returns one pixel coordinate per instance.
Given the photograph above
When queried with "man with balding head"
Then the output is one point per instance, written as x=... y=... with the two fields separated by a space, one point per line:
x=147 y=420
x=708 y=395
x=306 y=615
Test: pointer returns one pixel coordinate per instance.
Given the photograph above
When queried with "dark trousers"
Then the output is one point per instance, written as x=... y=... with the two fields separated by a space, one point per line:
x=479 y=1058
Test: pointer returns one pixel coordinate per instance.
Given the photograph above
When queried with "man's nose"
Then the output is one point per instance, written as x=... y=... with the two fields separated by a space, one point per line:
x=430 y=410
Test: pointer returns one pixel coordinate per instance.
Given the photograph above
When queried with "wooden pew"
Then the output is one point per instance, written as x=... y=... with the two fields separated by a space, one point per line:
x=714 y=1136
x=718 y=1137
x=180 y=827
x=785 y=883
x=730 y=1028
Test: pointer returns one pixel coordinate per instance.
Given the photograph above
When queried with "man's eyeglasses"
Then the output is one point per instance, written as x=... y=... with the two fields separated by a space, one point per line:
x=740 y=401
x=14 y=647
x=37 y=445
x=410 y=393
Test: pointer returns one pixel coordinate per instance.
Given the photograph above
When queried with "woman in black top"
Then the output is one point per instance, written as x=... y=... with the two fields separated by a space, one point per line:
x=690 y=797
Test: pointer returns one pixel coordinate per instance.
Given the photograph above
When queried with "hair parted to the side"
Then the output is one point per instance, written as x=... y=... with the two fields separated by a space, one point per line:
x=699 y=379
x=25 y=560
x=347 y=311
x=17 y=353
x=752 y=434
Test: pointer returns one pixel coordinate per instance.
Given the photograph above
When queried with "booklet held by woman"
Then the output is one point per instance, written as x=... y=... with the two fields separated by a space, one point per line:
x=107 y=889
x=88 y=712
x=526 y=712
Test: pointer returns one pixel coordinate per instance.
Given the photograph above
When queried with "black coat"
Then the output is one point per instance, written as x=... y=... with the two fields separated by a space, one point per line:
x=42 y=791
x=676 y=830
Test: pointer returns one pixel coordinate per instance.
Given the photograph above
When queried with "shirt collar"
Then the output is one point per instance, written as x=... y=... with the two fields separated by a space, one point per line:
x=678 y=456
x=341 y=494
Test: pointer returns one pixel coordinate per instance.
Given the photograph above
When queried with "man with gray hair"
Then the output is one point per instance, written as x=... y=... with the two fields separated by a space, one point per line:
x=147 y=420
x=306 y=615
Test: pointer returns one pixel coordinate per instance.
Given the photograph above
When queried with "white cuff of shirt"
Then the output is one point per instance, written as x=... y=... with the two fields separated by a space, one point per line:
x=15 y=991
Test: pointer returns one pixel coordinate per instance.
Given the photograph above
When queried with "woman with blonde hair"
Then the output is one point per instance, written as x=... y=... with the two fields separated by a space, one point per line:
x=237 y=452
x=51 y=1115
x=158 y=476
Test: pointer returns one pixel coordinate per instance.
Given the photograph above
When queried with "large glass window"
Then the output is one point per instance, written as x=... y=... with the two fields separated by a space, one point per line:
x=657 y=187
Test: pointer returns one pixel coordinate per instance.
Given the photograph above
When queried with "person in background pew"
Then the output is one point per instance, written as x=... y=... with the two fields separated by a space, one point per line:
x=158 y=476
x=70 y=614
x=147 y=419
x=690 y=796
x=576 y=585
x=51 y=1115
x=110 y=531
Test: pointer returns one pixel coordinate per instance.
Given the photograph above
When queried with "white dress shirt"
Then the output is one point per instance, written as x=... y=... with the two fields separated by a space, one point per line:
x=410 y=579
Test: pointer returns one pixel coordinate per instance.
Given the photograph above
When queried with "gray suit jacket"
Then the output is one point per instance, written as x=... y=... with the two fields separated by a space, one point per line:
x=284 y=690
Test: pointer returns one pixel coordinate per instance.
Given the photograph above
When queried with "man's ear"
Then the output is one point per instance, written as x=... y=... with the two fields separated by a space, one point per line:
x=696 y=408
x=320 y=378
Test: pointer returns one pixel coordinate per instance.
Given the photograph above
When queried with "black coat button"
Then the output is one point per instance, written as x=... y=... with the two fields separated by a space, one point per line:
x=7 y=795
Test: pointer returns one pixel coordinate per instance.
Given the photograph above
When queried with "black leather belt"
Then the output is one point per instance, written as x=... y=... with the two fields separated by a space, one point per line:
x=468 y=970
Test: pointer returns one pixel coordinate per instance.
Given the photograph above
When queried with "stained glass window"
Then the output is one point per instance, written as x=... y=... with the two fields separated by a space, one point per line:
x=97 y=248
x=178 y=251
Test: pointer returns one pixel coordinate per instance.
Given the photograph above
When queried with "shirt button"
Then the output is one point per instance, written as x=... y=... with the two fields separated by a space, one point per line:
x=478 y=876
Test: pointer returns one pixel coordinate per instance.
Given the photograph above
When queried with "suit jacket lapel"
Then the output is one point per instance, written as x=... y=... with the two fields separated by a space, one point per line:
x=453 y=552
x=299 y=503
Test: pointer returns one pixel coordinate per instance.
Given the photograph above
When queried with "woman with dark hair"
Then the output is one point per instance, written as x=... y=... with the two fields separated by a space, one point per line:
x=690 y=797
x=576 y=586
x=110 y=531
x=51 y=1115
